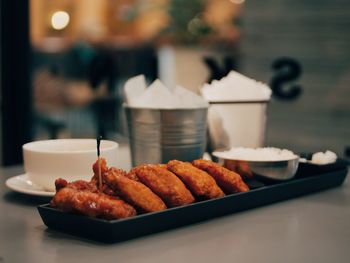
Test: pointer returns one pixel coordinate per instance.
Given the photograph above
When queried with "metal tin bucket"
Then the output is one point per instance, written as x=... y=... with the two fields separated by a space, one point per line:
x=160 y=135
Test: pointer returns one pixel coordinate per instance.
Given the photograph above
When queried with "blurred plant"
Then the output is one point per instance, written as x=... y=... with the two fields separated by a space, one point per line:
x=187 y=21
x=151 y=18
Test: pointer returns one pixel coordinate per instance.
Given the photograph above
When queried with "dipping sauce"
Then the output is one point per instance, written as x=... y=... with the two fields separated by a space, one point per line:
x=257 y=154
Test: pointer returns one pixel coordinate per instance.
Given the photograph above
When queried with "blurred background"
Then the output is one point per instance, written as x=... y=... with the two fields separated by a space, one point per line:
x=64 y=64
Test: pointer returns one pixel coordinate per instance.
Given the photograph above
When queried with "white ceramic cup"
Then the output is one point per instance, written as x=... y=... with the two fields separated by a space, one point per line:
x=70 y=159
x=237 y=124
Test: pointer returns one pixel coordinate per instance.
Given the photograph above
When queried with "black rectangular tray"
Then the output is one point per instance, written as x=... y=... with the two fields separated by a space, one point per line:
x=124 y=229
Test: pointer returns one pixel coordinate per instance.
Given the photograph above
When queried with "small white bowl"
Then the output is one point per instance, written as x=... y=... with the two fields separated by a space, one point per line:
x=70 y=159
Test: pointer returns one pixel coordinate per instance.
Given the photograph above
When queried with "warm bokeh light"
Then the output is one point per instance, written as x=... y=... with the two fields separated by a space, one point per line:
x=237 y=1
x=60 y=20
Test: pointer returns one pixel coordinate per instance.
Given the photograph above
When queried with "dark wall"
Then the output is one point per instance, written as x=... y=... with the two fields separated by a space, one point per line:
x=316 y=33
x=15 y=81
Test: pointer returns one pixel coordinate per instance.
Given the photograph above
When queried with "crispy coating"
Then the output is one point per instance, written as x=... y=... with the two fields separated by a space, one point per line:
x=104 y=167
x=83 y=197
x=199 y=182
x=79 y=185
x=60 y=183
x=165 y=184
x=132 y=175
x=229 y=181
x=133 y=192
x=95 y=179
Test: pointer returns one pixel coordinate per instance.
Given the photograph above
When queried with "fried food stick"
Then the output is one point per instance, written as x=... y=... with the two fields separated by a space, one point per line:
x=95 y=179
x=229 y=181
x=83 y=197
x=165 y=184
x=95 y=168
x=199 y=182
x=133 y=192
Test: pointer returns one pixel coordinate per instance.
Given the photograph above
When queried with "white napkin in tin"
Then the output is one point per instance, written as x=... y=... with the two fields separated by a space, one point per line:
x=158 y=96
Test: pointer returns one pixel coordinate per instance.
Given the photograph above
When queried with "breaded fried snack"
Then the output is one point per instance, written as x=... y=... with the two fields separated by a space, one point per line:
x=103 y=165
x=165 y=184
x=82 y=198
x=200 y=183
x=95 y=179
x=229 y=181
x=133 y=192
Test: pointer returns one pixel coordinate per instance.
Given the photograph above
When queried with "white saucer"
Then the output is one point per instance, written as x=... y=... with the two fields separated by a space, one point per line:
x=22 y=184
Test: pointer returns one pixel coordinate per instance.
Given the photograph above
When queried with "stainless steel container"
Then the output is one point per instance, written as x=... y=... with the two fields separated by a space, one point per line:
x=276 y=170
x=160 y=135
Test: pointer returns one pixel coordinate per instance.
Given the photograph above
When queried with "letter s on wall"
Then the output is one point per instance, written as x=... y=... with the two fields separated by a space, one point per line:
x=288 y=69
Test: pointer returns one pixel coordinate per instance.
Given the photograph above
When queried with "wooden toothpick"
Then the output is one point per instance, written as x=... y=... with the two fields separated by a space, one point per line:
x=99 y=163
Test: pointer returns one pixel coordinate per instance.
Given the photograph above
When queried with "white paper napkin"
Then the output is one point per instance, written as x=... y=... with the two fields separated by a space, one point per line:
x=158 y=96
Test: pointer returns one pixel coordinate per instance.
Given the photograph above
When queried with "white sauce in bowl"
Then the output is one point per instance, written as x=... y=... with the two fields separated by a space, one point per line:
x=256 y=154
